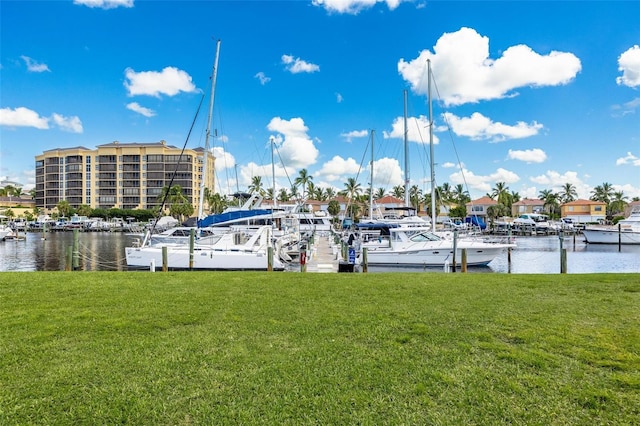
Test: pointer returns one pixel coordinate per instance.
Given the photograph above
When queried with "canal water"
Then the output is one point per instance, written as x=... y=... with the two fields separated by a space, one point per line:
x=104 y=251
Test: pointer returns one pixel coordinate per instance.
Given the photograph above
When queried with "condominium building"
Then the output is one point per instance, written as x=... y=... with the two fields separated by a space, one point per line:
x=119 y=175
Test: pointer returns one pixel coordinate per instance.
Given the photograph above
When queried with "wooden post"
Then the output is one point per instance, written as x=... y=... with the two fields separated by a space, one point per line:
x=269 y=258
x=619 y=237
x=68 y=258
x=563 y=254
x=165 y=259
x=463 y=268
x=455 y=248
x=192 y=239
x=76 y=252
x=365 y=267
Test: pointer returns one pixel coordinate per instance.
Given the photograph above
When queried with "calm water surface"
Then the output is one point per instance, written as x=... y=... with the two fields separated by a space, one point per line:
x=103 y=251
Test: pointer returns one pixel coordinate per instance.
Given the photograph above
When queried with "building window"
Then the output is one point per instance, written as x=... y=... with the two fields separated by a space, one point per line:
x=477 y=208
x=598 y=208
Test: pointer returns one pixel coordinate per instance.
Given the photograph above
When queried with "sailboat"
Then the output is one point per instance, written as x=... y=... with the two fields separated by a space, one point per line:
x=233 y=250
x=417 y=246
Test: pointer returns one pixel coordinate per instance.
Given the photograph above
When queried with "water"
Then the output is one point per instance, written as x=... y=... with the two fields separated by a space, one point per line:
x=104 y=251
x=98 y=251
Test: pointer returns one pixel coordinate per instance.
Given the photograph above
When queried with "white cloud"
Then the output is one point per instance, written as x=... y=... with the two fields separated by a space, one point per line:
x=354 y=134
x=627 y=107
x=479 y=127
x=387 y=173
x=266 y=172
x=481 y=183
x=417 y=130
x=33 y=66
x=262 y=77
x=294 y=145
x=353 y=7
x=224 y=159
x=555 y=181
x=629 y=64
x=628 y=159
x=535 y=155
x=338 y=167
x=170 y=81
x=465 y=73
x=22 y=117
x=67 y=124
x=136 y=107
x=339 y=98
x=297 y=65
x=104 y=4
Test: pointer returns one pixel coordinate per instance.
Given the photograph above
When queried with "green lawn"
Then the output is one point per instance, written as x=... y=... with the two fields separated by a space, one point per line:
x=289 y=348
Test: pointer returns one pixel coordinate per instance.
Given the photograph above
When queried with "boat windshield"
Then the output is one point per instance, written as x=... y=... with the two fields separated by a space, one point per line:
x=424 y=236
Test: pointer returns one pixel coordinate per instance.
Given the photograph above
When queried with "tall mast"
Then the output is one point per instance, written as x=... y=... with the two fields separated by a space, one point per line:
x=273 y=174
x=208 y=134
x=371 y=181
x=407 y=202
x=433 y=173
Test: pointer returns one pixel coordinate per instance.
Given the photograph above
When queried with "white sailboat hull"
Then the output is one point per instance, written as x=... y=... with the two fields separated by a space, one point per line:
x=203 y=258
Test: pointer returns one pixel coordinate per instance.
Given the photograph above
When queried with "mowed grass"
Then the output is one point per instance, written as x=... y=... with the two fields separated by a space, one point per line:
x=290 y=349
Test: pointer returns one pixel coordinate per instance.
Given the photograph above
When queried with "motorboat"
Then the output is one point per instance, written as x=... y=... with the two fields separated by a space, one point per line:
x=627 y=231
x=411 y=246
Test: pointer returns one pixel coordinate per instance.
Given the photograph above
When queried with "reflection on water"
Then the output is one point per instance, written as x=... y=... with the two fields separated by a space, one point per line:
x=104 y=251
x=98 y=251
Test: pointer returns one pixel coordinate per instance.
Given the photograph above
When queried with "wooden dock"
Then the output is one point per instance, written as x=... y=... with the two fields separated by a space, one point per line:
x=323 y=257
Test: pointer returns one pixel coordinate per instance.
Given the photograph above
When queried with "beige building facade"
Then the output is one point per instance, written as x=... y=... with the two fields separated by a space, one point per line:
x=120 y=175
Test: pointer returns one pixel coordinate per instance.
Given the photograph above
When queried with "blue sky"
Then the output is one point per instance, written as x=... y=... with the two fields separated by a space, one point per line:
x=531 y=93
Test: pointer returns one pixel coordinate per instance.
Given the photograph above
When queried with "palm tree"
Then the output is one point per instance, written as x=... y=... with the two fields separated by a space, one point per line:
x=550 y=199
x=500 y=193
x=256 y=185
x=293 y=193
x=352 y=188
x=312 y=191
x=460 y=195
x=398 y=191
x=602 y=193
x=445 y=192
x=379 y=193
x=283 y=195
x=568 y=193
x=415 y=194
x=618 y=202
x=217 y=203
x=329 y=193
x=303 y=179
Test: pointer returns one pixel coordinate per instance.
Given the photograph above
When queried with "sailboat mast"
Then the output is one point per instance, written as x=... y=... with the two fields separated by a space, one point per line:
x=371 y=181
x=273 y=174
x=203 y=180
x=433 y=173
x=407 y=202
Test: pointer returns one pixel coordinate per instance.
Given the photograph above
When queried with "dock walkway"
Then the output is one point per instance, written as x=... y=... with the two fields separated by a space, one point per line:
x=323 y=256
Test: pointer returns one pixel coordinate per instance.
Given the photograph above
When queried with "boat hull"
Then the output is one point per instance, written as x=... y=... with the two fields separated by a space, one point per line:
x=604 y=236
x=203 y=259
x=433 y=257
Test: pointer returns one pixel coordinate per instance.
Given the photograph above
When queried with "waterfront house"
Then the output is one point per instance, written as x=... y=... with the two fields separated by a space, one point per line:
x=584 y=211
x=479 y=207
x=527 y=206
